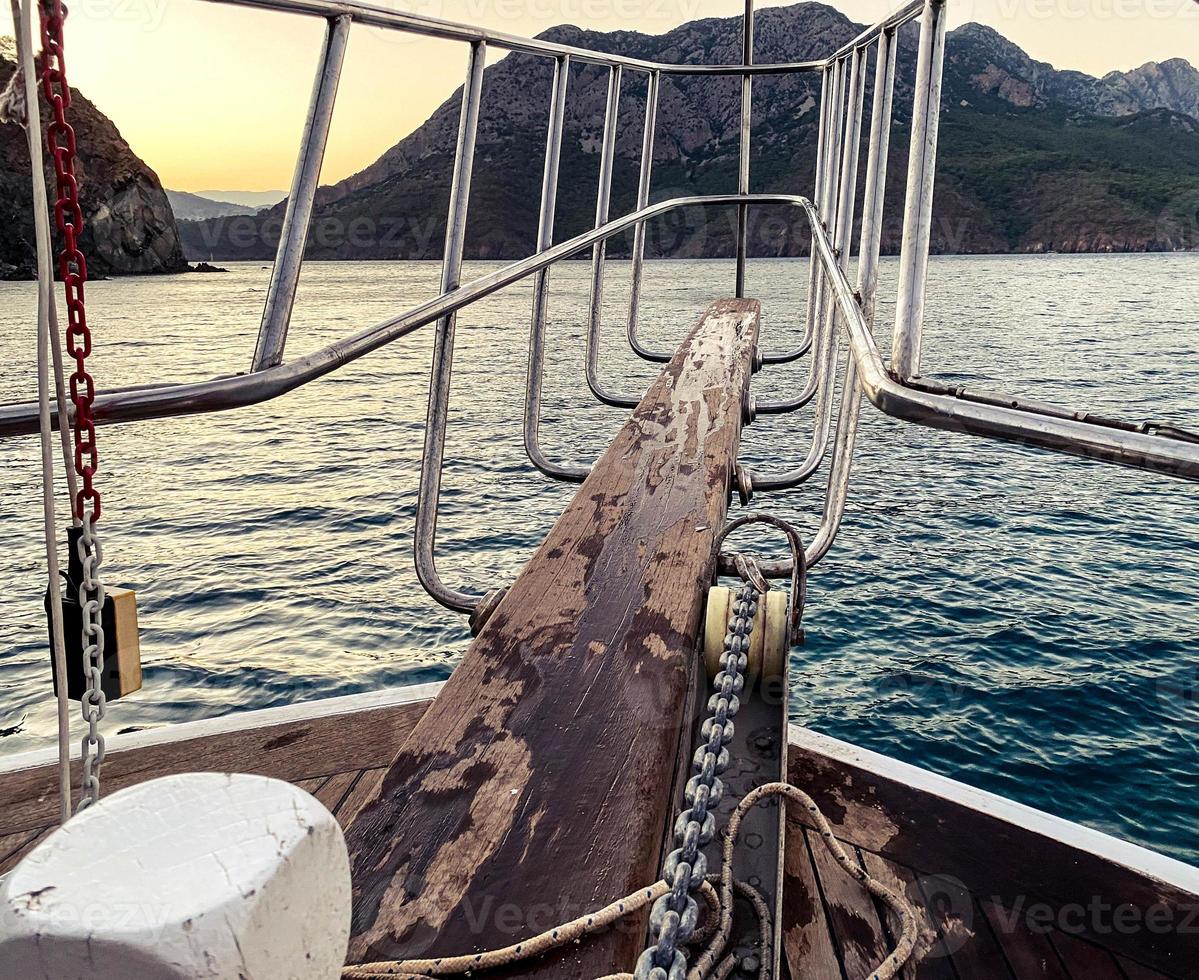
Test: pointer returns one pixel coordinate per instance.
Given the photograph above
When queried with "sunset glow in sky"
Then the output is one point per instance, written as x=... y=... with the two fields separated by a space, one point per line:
x=214 y=96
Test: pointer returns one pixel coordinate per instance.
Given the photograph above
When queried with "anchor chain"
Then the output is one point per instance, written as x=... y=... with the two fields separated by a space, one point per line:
x=673 y=917
x=674 y=912
x=72 y=268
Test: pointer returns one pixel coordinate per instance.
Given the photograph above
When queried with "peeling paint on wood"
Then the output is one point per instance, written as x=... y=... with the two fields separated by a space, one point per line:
x=539 y=783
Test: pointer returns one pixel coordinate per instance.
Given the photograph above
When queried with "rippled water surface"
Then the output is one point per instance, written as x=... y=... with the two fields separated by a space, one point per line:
x=1023 y=622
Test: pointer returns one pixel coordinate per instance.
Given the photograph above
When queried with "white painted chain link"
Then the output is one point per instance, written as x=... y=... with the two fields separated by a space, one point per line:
x=91 y=603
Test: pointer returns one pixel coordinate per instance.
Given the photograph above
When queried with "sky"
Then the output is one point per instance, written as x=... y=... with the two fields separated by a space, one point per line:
x=213 y=96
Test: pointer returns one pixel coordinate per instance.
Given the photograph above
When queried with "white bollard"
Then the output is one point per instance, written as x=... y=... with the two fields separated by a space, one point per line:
x=203 y=876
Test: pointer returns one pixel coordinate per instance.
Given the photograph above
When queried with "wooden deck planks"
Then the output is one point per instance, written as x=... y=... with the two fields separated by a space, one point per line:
x=335 y=789
x=294 y=750
x=861 y=941
x=1135 y=971
x=541 y=776
x=808 y=948
x=13 y=858
x=939 y=835
x=364 y=789
x=1030 y=954
x=1083 y=960
x=930 y=960
x=963 y=929
x=994 y=941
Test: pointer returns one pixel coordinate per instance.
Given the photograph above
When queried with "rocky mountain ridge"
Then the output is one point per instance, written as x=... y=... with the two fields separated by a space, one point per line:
x=983 y=59
x=1031 y=158
x=130 y=228
x=697 y=115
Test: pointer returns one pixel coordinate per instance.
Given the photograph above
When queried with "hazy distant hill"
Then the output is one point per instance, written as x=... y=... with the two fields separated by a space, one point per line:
x=251 y=199
x=1031 y=159
x=191 y=207
x=129 y=224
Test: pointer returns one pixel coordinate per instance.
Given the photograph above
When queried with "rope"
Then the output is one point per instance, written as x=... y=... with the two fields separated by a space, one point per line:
x=710 y=965
x=21 y=22
x=552 y=939
x=903 y=910
x=13 y=107
x=675 y=913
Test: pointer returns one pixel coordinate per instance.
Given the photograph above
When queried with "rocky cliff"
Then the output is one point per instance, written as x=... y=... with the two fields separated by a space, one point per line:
x=1030 y=158
x=130 y=227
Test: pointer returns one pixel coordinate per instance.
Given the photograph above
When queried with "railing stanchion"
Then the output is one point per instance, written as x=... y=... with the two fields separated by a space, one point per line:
x=643 y=188
x=868 y=252
x=599 y=251
x=285 y=274
x=826 y=95
x=918 y=206
x=840 y=190
x=747 y=105
x=851 y=144
x=829 y=94
x=874 y=193
x=443 y=343
x=541 y=283
x=827 y=201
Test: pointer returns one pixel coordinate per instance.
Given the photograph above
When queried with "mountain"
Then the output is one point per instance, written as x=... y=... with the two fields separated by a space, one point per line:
x=129 y=225
x=981 y=58
x=257 y=200
x=192 y=207
x=1031 y=159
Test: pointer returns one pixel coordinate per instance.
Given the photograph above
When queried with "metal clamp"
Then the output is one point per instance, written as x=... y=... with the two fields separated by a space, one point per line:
x=744 y=483
x=799 y=566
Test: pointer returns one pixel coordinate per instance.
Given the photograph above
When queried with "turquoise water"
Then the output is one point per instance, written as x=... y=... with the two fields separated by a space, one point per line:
x=1019 y=621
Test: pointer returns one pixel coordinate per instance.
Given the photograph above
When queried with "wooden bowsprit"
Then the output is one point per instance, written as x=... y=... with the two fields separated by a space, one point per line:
x=543 y=781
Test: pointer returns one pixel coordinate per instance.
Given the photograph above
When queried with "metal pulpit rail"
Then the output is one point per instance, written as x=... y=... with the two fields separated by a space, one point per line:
x=835 y=309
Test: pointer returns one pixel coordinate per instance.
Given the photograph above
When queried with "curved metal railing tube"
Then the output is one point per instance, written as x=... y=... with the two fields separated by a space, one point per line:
x=838 y=474
x=851 y=145
x=389 y=18
x=869 y=247
x=828 y=94
x=643 y=192
x=599 y=250
x=643 y=188
x=541 y=283
x=429 y=492
x=1170 y=451
x=289 y=257
x=877 y=155
x=224 y=392
x=747 y=97
x=918 y=206
x=842 y=188
x=1149 y=446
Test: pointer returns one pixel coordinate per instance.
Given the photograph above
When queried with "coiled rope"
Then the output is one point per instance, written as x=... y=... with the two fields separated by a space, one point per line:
x=712 y=963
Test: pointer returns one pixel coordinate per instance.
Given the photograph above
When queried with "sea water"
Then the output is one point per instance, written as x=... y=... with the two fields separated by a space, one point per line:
x=1020 y=621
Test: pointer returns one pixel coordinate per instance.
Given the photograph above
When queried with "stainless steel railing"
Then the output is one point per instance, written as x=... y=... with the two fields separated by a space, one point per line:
x=833 y=306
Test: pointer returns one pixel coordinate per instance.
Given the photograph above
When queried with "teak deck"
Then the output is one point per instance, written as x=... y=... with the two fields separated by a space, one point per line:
x=910 y=828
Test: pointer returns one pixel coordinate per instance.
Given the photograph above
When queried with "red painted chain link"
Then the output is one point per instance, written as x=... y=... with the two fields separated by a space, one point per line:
x=72 y=268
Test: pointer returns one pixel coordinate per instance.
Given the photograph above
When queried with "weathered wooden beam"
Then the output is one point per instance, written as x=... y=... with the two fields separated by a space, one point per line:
x=539 y=785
